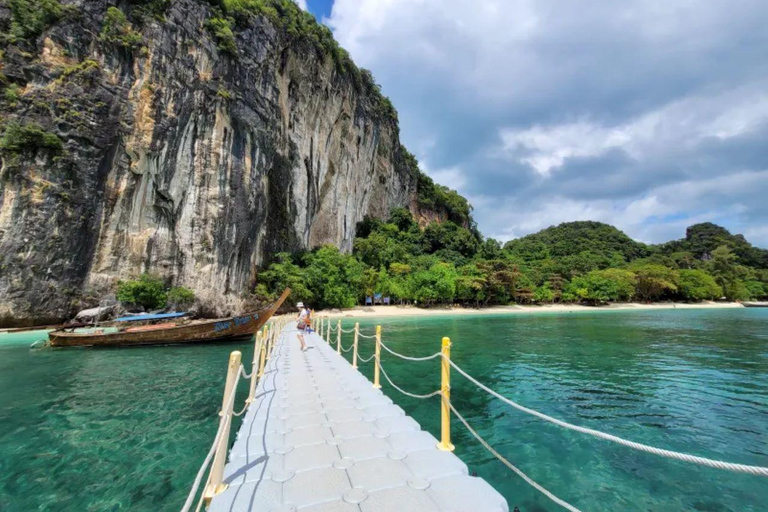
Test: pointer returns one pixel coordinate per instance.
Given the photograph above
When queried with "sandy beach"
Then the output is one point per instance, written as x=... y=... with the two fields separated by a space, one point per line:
x=389 y=311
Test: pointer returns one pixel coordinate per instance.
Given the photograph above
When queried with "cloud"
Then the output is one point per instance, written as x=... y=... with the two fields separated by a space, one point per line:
x=637 y=113
x=302 y=4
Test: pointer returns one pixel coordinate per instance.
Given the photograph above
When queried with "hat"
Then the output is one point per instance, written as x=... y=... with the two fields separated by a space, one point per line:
x=300 y=305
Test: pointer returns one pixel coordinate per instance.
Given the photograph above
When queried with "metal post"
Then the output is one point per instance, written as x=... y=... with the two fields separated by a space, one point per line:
x=338 y=337
x=376 y=383
x=445 y=410
x=215 y=481
x=354 y=353
x=254 y=368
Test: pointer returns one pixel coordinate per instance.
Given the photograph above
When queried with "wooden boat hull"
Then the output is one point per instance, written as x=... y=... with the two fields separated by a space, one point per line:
x=211 y=330
x=755 y=304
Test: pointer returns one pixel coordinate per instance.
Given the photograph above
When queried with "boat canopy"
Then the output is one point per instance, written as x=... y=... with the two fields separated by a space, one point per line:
x=159 y=316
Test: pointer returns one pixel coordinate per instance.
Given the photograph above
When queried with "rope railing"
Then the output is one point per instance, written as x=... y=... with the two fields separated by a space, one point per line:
x=216 y=456
x=511 y=466
x=409 y=358
x=412 y=395
x=448 y=408
x=223 y=423
x=366 y=360
x=739 y=468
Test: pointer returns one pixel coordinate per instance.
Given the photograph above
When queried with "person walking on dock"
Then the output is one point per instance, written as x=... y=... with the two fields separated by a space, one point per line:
x=302 y=324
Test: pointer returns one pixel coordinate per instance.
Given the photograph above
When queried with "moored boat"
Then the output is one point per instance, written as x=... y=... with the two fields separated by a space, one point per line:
x=168 y=333
x=755 y=304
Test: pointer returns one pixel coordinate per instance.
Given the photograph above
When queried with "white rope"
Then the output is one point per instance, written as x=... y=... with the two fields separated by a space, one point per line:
x=740 y=468
x=246 y=376
x=222 y=423
x=245 y=408
x=429 y=395
x=348 y=330
x=366 y=335
x=347 y=349
x=366 y=360
x=408 y=358
x=511 y=466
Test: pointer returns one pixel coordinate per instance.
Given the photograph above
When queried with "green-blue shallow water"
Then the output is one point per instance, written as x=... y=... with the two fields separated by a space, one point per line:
x=126 y=429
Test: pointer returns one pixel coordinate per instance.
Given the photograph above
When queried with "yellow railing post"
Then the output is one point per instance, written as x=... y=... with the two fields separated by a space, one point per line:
x=376 y=383
x=338 y=337
x=354 y=353
x=254 y=368
x=269 y=342
x=328 y=335
x=445 y=388
x=215 y=480
x=263 y=356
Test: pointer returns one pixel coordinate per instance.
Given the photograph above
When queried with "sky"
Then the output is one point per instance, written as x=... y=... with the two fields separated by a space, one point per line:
x=647 y=115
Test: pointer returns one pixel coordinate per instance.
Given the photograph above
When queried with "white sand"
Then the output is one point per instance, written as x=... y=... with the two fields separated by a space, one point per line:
x=387 y=311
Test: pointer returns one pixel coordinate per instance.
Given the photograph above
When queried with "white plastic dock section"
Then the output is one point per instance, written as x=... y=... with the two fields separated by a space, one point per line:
x=320 y=438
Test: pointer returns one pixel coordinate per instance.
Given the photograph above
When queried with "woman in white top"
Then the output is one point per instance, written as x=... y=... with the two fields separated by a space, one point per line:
x=302 y=324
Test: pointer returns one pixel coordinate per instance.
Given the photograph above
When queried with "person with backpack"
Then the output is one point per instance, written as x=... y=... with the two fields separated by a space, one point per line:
x=303 y=324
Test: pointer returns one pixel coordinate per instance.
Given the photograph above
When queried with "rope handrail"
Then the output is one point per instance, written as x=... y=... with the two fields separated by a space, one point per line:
x=366 y=360
x=348 y=330
x=412 y=395
x=739 y=468
x=368 y=336
x=409 y=358
x=511 y=466
x=222 y=423
x=347 y=349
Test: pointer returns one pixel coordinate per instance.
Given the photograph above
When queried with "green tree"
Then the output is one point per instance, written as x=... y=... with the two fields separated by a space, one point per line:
x=653 y=281
x=147 y=292
x=435 y=285
x=284 y=273
x=601 y=286
x=727 y=273
x=544 y=293
x=335 y=279
x=696 y=285
x=180 y=297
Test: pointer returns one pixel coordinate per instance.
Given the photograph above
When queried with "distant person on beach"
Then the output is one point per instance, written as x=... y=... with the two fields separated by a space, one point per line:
x=302 y=324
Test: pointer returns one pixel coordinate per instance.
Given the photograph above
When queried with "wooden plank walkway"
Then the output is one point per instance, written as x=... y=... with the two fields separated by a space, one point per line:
x=320 y=438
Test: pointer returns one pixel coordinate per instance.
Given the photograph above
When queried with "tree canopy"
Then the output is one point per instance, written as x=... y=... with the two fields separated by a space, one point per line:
x=448 y=263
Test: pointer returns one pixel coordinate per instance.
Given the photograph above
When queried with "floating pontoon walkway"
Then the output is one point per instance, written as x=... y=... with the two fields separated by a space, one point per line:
x=318 y=437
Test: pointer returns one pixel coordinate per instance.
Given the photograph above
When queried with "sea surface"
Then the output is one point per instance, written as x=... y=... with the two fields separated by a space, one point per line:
x=127 y=429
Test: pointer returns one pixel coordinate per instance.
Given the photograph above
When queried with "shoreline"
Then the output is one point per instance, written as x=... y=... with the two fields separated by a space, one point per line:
x=413 y=311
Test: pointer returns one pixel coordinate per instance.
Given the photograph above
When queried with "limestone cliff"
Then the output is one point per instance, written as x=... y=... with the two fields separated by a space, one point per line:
x=156 y=150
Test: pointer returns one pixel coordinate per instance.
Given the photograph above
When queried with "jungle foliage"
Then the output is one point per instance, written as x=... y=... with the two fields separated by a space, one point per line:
x=446 y=263
x=149 y=292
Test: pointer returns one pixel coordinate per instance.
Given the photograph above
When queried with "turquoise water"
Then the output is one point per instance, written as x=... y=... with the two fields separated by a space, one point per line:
x=693 y=381
x=126 y=429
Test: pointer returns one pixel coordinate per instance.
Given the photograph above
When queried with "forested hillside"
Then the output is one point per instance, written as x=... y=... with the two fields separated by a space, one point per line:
x=586 y=262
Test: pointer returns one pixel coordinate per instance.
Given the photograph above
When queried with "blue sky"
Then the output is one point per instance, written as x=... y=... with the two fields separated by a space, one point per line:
x=647 y=115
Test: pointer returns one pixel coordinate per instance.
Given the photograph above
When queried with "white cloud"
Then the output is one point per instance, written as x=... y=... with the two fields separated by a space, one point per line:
x=302 y=4
x=680 y=124
x=542 y=111
x=662 y=214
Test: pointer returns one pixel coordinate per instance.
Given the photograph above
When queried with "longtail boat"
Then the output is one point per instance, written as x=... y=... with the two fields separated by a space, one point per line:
x=235 y=327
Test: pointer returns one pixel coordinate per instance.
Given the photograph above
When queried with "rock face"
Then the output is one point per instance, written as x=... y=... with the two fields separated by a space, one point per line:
x=180 y=159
